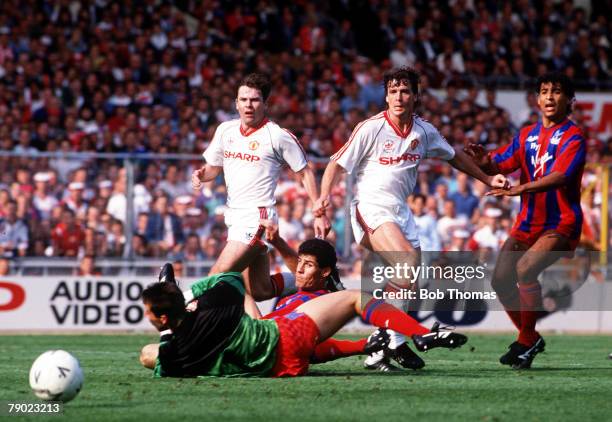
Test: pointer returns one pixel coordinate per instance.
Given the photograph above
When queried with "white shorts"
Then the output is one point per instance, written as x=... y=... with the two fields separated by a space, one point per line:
x=243 y=224
x=368 y=217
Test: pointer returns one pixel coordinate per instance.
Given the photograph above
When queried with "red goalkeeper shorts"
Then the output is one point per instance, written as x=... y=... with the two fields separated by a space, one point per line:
x=299 y=336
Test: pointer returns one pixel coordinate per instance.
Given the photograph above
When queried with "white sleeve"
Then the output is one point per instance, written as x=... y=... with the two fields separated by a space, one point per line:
x=353 y=151
x=214 y=153
x=291 y=151
x=437 y=145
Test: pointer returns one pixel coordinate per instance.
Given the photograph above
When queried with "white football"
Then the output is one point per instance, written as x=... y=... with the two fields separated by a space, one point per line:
x=56 y=375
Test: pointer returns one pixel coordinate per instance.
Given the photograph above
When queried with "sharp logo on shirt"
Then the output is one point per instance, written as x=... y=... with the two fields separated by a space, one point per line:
x=389 y=161
x=253 y=145
x=556 y=138
x=388 y=145
x=532 y=138
x=414 y=144
x=240 y=156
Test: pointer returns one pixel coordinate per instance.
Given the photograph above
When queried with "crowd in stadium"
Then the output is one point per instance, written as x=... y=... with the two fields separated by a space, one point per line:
x=146 y=76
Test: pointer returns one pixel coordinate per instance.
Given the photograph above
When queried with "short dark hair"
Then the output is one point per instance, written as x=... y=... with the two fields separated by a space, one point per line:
x=420 y=196
x=407 y=75
x=258 y=81
x=164 y=299
x=322 y=250
x=564 y=81
x=325 y=255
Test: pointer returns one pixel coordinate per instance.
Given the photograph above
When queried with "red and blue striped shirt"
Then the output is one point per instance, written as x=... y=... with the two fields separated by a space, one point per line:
x=538 y=151
x=288 y=304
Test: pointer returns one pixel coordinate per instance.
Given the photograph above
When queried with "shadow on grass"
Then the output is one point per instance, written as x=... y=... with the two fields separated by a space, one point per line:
x=457 y=372
x=365 y=373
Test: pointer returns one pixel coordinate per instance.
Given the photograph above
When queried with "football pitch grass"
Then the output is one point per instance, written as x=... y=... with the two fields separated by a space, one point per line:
x=572 y=380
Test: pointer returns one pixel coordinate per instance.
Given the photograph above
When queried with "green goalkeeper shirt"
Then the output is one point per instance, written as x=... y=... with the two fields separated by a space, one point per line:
x=218 y=338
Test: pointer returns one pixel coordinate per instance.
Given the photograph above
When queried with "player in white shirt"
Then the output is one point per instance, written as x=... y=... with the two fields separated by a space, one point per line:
x=251 y=151
x=384 y=151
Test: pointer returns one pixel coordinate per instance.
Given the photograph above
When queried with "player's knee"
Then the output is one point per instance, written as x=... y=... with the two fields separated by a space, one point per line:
x=498 y=283
x=356 y=297
x=523 y=270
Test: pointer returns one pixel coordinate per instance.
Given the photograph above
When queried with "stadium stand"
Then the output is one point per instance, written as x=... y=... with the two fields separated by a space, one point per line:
x=157 y=77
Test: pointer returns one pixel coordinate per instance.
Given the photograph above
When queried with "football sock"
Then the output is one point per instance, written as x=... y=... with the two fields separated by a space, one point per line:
x=381 y=314
x=332 y=349
x=531 y=305
x=396 y=339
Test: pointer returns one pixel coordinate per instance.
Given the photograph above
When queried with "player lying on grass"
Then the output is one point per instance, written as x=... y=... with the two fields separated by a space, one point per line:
x=216 y=337
x=314 y=273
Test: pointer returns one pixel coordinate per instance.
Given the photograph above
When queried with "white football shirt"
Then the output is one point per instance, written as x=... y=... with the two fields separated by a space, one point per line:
x=386 y=159
x=252 y=160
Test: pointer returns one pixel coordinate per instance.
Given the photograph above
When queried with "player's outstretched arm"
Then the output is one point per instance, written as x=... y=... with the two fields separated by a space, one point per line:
x=462 y=162
x=546 y=183
x=483 y=160
x=332 y=172
x=321 y=223
x=290 y=257
x=204 y=174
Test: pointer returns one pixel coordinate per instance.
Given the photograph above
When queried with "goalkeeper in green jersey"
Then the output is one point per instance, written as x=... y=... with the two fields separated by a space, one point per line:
x=216 y=337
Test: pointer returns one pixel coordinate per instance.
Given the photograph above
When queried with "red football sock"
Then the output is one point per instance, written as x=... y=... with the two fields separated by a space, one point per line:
x=381 y=314
x=531 y=305
x=332 y=349
x=515 y=317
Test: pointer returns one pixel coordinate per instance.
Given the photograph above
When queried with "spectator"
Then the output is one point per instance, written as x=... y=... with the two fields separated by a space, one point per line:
x=174 y=184
x=211 y=247
x=115 y=239
x=75 y=200
x=169 y=85
x=87 y=267
x=68 y=236
x=449 y=222
x=288 y=228
x=42 y=200
x=458 y=240
x=164 y=231
x=428 y=233
x=191 y=250
x=465 y=201
x=117 y=203
x=14 y=239
x=140 y=247
x=5 y=267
